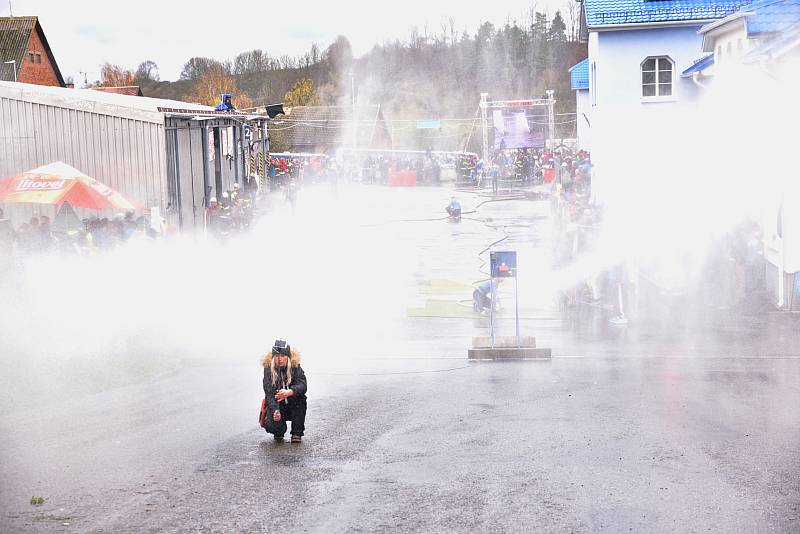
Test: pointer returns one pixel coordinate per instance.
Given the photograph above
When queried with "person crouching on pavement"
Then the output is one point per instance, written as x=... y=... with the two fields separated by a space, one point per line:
x=285 y=392
x=483 y=294
x=454 y=208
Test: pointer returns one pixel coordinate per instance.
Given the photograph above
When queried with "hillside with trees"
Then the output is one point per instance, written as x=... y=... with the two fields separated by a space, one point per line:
x=428 y=75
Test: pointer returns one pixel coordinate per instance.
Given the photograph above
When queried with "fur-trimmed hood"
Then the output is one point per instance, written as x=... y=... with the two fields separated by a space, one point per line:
x=294 y=359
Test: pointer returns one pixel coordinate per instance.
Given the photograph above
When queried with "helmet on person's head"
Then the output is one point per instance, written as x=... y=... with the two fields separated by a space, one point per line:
x=236 y=186
x=225 y=194
x=212 y=200
x=280 y=347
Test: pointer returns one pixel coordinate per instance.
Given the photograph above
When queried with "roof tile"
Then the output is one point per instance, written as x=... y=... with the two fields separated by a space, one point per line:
x=15 y=33
x=772 y=16
x=130 y=90
x=613 y=12
x=579 y=75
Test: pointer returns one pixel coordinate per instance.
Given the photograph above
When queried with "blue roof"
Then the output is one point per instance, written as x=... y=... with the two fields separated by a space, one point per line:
x=579 y=75
x=612 y=12
x=699 y=65
x=772 y=16
x=774 y=48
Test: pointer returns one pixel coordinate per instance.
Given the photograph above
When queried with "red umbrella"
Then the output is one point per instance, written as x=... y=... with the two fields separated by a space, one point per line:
x=57 y=183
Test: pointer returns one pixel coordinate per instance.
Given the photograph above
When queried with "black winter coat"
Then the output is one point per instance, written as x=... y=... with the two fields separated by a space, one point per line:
x=298 y=385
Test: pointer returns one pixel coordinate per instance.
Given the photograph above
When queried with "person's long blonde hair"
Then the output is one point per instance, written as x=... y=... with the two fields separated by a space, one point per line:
x=269 y=361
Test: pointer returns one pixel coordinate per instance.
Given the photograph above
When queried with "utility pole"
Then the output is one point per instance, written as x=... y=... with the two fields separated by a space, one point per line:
x=550 y=118
x=552 y=127
x=10 y=11
x=485 y=127
x=355 y=117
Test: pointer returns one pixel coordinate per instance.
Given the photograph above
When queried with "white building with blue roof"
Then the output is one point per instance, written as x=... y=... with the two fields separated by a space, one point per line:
x=579 y=82
x=639 y=103
x=757 y=50
x=764 y=30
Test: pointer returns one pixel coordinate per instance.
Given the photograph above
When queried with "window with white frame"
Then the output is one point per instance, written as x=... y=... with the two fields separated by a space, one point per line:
x=657 y=76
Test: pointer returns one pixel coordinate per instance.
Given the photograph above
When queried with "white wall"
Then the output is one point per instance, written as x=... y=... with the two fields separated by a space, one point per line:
x=730 y=42
x=627 y=129
x=584 y=118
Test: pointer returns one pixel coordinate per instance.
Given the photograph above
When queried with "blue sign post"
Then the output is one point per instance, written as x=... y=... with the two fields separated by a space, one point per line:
x=503 y=264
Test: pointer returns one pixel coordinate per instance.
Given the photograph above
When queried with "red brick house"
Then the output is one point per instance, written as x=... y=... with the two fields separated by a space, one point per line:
x=22 y=40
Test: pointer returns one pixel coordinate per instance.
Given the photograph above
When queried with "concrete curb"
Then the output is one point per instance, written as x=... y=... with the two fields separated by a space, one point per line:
x=509 y=353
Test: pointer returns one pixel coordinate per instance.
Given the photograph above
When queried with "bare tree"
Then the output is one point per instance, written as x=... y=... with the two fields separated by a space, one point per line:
x=287 y=62
x=214 y=82
x=147 y=71
x=251 y=62
x=115 y=76
x=573 y=22
x=415 y=40
x=197 y=66
x=443 y=39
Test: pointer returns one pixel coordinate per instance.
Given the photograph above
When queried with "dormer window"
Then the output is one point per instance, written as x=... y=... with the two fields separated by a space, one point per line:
x=657 y=75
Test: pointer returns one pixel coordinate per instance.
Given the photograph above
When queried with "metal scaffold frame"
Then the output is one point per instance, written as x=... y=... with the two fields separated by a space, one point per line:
x=486 y=104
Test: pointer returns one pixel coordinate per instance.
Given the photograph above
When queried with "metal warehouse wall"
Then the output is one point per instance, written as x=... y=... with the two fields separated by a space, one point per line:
x=187 y=150
x=125 y=151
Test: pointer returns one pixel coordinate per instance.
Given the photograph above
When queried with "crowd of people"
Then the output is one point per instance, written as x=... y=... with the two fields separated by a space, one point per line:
x=299 y=167
x=728 y=273
x=527 y=166
x=523 y=166
x=377 y=167
x=427 y=167
x=39 y=236
x=232 y=213
x=734 y=270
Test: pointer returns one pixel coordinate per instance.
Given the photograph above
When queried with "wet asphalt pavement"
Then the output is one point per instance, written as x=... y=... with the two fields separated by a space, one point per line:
x=685 y=424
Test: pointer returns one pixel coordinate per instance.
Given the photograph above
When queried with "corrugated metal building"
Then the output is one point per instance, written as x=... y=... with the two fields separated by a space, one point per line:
x=160 y=153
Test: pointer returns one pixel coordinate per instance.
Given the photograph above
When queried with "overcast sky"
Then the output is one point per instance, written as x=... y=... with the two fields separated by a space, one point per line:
x=86 y=33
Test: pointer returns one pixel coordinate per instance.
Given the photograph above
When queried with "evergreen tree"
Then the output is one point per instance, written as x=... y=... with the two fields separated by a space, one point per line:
x=558 y=30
